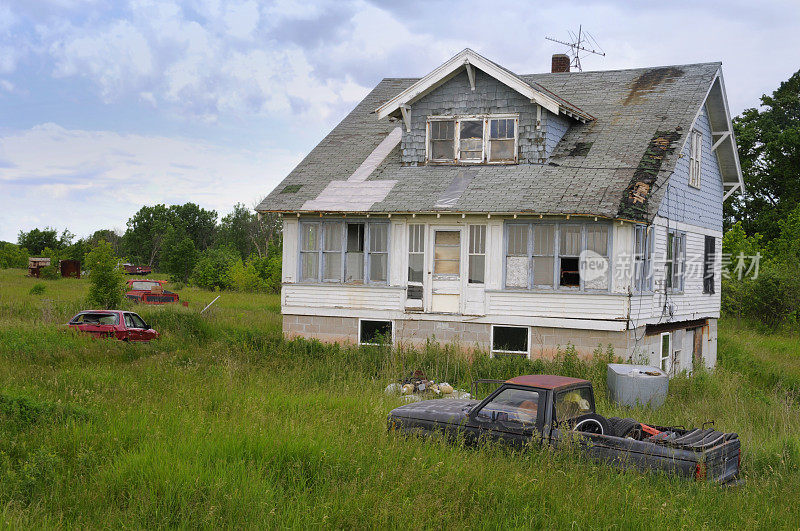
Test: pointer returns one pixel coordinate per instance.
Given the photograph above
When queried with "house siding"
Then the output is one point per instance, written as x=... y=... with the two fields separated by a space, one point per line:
x=557 y=127
x=490 y=96
x=703 y=206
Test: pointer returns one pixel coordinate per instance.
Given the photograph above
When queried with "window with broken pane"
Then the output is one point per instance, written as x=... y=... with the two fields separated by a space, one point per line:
x=517 y=255
x=441 y=134
x=470 y=141
x=543 y=255
x=447 y=253
x=477 y=254
x=569 y=256
x=309 y=251
x=354 y=254
x=502 y=140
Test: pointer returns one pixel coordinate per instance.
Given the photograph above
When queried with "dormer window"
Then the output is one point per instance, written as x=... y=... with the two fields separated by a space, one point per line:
x=475 y=139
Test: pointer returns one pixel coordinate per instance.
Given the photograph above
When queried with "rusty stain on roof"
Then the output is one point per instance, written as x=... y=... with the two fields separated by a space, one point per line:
x=649 y=81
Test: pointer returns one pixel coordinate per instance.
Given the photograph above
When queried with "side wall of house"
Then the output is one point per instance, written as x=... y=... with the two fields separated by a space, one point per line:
x=455 y=97
x=683 y=203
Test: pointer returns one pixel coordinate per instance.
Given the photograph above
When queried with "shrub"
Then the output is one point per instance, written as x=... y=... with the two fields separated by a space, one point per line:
x=49 y=272
x=243 y=276
x=37 y=289
x=106 y=281
x=211 y=271
x=13 y=256
x=179 y=256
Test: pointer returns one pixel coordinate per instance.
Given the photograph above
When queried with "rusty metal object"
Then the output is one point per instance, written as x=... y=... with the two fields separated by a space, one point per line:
x=70 y=268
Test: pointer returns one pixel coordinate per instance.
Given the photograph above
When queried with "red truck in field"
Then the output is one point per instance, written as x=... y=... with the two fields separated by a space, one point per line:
x=125 y=326
x=150 y=292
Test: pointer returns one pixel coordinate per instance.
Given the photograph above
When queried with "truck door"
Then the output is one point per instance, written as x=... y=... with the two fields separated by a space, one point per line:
x=512 y=415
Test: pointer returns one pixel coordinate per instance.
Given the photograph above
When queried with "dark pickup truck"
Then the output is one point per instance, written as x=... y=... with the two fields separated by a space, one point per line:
x=551 y=409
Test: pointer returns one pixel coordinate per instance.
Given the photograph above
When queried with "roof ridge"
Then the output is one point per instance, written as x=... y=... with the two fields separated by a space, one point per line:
x=718 y=63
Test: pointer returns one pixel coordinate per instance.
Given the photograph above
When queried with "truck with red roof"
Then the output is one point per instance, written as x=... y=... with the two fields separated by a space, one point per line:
x=548 y=409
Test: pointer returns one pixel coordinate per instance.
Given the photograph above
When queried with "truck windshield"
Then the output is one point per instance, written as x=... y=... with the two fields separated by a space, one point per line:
x=145 y=285
x=574 y=403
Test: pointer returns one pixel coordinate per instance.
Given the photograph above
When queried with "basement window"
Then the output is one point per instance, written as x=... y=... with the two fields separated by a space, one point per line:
x=374 y=332
x=510 y=339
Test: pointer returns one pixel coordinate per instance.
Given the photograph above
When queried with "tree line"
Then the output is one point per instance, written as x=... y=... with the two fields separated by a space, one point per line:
x=242 y=250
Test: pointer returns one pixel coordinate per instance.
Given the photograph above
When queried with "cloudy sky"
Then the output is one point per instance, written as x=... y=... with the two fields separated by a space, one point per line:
x=109 y=105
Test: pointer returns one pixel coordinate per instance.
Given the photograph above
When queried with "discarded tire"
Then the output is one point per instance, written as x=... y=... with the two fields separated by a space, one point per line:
x=592 y=423
x=627 y=428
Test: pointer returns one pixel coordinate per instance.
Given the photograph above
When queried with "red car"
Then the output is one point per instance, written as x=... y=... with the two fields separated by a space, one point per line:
x=137 y=270
x=150 y=292
x=125 y=326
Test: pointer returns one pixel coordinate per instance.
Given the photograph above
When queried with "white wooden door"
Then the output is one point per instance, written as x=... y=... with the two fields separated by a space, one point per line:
x=446 y=269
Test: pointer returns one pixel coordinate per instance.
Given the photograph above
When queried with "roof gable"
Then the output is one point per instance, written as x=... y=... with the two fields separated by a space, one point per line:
x=469 y=59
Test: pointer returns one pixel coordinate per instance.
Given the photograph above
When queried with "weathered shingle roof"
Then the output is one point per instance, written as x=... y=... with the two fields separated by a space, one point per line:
x=631 y=107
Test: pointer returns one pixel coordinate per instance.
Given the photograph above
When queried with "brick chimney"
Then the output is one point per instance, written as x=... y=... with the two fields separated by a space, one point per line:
x=560 y=63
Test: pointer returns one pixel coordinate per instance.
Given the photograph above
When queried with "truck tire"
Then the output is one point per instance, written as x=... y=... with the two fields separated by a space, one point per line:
x=627 y=428
x=592 y=423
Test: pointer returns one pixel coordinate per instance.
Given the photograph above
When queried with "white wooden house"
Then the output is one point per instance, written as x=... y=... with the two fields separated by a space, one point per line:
x=517 y=213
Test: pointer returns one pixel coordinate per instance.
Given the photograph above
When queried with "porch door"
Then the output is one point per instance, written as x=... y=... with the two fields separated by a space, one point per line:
x=446 y=270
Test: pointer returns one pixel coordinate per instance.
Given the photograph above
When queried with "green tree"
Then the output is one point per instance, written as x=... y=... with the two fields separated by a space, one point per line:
x=769 y=151
x=198 y=223
x=35 y=240
x=13 y=256
x=144 y=236
x=106 y=280
x=248 y=232
x=179 y=256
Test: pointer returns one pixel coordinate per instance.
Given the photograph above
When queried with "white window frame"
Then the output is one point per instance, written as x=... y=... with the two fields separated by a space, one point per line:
x=492 y=350
x=676 y=283
x=391 y=323
x=486 y=144
x=482 y=231
x=665 y=360
x=368 y=253
x=695 y=158
x=642 y=263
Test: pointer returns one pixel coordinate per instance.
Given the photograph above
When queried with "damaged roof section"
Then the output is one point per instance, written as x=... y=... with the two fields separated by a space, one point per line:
x=613 y=166
x=635 y=202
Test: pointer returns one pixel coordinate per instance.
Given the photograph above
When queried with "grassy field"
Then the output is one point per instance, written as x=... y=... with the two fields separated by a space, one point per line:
x=223 y=423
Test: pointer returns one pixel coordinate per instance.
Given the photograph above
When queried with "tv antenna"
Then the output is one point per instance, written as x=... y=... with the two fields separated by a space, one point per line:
x=578 y=45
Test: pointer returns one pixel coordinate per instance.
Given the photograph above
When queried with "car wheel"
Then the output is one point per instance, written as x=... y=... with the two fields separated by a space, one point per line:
x=627 y=428
x=592 y=423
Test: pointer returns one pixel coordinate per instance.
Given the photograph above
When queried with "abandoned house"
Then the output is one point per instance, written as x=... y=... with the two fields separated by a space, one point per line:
x=517 y=213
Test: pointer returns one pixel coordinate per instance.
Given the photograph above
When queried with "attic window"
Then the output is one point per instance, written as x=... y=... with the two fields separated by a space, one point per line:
x=473 y=139
x=291 y=188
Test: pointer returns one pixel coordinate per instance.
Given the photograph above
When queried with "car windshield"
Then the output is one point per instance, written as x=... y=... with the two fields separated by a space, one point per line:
x=512 y=405
x=144 y=285
x=574 y=403
x=96 y=318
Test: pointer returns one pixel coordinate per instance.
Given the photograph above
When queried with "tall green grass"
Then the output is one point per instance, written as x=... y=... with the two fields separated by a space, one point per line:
x=223 y=423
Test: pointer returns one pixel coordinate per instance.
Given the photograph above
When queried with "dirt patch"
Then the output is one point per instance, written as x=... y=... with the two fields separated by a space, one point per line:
x=649 y=81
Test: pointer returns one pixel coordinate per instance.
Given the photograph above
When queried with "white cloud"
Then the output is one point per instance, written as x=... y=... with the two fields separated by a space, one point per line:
x=95 y=179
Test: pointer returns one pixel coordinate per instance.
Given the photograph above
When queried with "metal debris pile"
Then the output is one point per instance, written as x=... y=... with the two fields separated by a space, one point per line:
x=419 y=387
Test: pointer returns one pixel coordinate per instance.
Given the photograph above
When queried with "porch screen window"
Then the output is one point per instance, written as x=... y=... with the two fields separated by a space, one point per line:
x=441 y=140
x=416 y=253
x=596 y=270
x=447 y=253
x=471 y=141
x=332 y=252
x=543 y=255
x=378 y=252
x=675 y=261
x=517 y=256
x=569 y=256
x=335 y=251
x=641 y=259
x=309 y=251
x=708 y=264
x=477 y=253
x=354 y=254
x=502 y=140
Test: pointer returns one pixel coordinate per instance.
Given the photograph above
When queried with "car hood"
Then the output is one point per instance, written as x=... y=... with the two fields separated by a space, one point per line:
x=445 y=410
